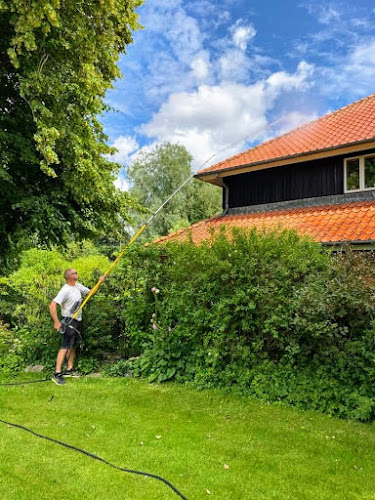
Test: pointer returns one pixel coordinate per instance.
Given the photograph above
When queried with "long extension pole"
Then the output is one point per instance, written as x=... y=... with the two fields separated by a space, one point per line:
x=148 y=222
x=121 y=254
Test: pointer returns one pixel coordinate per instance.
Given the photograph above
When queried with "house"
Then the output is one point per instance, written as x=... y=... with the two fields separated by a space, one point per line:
x=318 y=179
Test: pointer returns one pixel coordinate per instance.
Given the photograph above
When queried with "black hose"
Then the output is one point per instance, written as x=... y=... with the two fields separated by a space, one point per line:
x=28 y=382
x=95 y=456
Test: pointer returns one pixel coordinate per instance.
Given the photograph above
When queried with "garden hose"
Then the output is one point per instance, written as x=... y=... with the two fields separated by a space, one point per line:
x=96 y=457
x=47 y=379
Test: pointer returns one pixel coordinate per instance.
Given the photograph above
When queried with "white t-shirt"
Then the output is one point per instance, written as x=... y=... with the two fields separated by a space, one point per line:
x=69 y=299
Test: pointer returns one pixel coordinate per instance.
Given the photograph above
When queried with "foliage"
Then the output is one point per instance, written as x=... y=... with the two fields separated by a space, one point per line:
x=157 y=174
x=268 y=314
x=57 y=60
x=10 y=359
x=120 y=368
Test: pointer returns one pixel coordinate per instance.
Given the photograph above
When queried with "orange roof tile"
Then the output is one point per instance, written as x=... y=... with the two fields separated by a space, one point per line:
x=352 y=124
x=329 y=223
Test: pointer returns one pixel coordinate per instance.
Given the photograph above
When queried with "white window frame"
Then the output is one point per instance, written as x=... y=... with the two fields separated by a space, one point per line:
x=361 y=174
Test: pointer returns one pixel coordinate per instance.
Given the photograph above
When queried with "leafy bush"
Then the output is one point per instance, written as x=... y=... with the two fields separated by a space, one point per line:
x=269 y=314
x=10 y=359
x=121 y=368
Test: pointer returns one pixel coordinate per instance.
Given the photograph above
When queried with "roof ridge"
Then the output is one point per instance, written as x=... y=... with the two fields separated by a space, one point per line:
x=285 y=134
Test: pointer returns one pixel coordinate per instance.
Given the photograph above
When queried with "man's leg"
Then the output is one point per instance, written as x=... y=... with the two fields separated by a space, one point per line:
x=71 y=358
x=60 y=359
x=57 y=377
x=75 y=336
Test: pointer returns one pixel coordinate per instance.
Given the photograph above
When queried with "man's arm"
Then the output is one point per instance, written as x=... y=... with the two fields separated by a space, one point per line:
x=53 y=312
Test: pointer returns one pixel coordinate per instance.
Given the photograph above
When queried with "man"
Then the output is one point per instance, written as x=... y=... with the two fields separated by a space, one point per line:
x=69 y=299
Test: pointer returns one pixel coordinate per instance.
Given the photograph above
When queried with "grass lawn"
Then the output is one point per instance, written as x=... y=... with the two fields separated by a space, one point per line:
x=184 y=435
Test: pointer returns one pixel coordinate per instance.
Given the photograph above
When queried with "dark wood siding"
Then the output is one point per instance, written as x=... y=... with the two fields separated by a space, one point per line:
x=303 y=180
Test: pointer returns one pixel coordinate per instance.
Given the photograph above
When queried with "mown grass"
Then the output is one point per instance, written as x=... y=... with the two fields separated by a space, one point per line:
x=184 y=435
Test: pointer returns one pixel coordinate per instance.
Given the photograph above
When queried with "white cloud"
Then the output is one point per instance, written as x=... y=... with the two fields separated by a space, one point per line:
x=125 y=146
x=174 y=57
x=232 y=63
x=343 y=25
x=122 y=184
x=361 y=62
x=325 y=14
x=234 y=66
x=201 y=67
x=169 y=21
x=242 y=34
x=329 y=15
x=185 y=36
x=179 y=51
x=300 y=80
x=354 y=73
x=222 y=117
x=208 y=13
x=209 y=119
x=357 y=74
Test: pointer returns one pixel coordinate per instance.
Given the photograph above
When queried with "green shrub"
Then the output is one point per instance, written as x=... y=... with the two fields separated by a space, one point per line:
x=121 y=368
x=264 y=313
x=11 y=360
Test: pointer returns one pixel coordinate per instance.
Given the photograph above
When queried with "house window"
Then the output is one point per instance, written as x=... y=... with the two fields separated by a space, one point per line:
x=359 y=173
x=370 y=172
x=352 y=174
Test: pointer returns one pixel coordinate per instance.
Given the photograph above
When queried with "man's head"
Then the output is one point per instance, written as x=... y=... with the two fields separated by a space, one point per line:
x=70 y=275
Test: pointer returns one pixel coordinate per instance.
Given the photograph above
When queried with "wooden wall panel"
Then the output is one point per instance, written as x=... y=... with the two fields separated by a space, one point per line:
x=303 y=180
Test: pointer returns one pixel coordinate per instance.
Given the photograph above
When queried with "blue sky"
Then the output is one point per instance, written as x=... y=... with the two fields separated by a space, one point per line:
x=221 y=76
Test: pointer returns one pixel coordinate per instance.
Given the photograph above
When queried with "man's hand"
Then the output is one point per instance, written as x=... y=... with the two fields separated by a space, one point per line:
x=57 y=325
x=102 y=278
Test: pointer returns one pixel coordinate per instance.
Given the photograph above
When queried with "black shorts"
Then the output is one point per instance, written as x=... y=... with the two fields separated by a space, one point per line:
x=72 y=334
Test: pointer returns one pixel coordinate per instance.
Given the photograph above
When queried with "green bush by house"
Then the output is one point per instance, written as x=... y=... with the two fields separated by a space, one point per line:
x=267 y=314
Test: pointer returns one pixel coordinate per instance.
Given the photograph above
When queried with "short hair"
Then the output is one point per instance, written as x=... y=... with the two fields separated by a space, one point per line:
x=68 y=272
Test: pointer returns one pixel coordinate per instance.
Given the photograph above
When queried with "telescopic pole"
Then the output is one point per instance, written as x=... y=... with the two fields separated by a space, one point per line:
x=146 y=224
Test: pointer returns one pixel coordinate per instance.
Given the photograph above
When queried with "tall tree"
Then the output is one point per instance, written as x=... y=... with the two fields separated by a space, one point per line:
x=57 y=59
x=156 y=174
